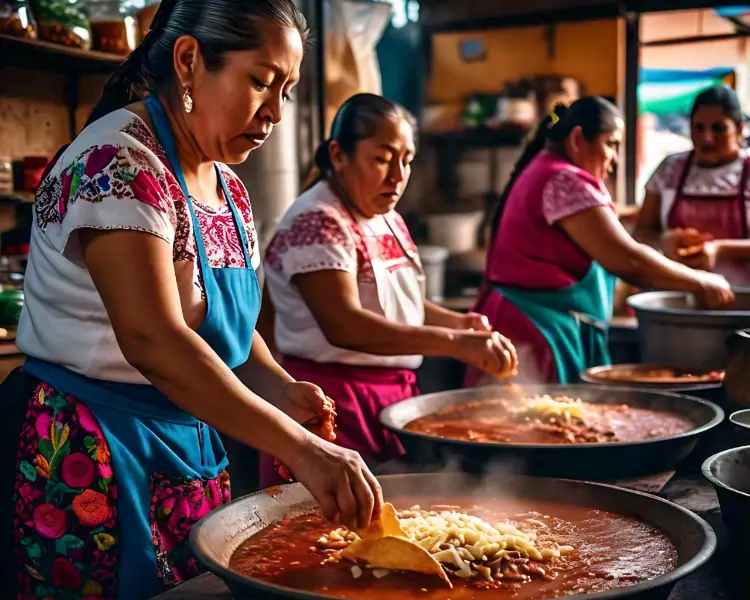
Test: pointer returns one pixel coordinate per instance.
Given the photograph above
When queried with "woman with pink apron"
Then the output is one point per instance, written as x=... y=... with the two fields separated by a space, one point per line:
x=696 y=205
x=346 y=284
x=558 y=245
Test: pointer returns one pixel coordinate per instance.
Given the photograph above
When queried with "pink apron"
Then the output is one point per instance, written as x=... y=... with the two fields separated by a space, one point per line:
x=360 y=393
x=723 y=217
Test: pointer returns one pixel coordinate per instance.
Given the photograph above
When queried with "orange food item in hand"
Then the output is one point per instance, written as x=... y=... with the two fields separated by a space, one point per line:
x=324 y=426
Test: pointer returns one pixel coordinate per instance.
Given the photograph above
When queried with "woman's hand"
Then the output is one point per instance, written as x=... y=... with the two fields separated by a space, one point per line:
x=489 y=351
x=682 y=245
x=307 y=404
x=473 y=322
x=701 y=257
x=715 y=290
x=340 y=481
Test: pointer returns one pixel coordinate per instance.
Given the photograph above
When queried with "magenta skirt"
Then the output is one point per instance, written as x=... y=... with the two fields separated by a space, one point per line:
x=360 y=393
x=536 y=363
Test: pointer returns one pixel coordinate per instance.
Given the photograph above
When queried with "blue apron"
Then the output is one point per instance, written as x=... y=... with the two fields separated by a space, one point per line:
x=145 y=431
x=573 y=320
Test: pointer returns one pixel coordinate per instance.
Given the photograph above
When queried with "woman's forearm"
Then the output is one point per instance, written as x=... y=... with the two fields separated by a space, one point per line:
x=438 y=316
x=198 y=382
x=650 y=237
x=261 y=373
x=648 y=268
x=733 y=249
x=361 y=330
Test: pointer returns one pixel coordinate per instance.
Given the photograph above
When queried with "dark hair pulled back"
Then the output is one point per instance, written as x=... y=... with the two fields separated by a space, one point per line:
x=357 y=119
x=593 y=114
x=220 y=26
x=725 y=98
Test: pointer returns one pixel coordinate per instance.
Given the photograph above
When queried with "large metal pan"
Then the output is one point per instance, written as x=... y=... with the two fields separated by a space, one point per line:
x=674 y=330
x=605 y=461
x=216 y=537
x=713 y=391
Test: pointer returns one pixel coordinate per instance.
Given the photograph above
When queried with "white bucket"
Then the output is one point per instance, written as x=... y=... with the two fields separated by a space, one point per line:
x=455 y=232
x=433 y=261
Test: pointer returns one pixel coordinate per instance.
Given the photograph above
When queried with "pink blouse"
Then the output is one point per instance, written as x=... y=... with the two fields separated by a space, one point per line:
x=531 y=250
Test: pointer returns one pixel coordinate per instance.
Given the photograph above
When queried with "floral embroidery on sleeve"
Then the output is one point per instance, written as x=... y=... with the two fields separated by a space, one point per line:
x=315 y=240
x=102 y=172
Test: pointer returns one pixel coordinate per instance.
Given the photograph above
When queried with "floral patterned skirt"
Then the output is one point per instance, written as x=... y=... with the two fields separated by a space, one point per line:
x=59 y=492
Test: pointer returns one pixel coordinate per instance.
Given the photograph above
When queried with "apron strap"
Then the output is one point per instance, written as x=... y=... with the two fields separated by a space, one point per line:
x=166 y=138
x=742 y=193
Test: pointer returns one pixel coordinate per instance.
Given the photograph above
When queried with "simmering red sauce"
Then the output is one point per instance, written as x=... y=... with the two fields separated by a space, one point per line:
x=610 y=551
x=491 y=421
x=643 y=374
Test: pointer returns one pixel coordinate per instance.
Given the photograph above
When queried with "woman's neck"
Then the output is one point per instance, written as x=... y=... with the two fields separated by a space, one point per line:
x=343 y=195
x=721 y=163
x=195 y=165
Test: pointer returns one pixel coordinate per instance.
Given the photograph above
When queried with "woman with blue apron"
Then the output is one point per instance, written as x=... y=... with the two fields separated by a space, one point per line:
x=110 y=473
x=557 y=247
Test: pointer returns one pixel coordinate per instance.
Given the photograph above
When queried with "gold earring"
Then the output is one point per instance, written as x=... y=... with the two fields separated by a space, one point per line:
x=187 y=101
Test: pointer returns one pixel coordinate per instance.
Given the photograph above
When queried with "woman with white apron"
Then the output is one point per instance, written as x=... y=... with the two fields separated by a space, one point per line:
x=346 y=283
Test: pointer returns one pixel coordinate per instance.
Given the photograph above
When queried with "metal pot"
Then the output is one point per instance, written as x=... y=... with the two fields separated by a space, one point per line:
x=729 y=473
x=737 y=376
x=604 y=461
x=674 y=330
x=740 y=422
x=711 y=391
x=215 y=538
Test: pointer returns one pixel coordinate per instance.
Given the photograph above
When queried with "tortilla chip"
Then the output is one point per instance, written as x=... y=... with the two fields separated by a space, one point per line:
x=395 y=554
x=387 y=525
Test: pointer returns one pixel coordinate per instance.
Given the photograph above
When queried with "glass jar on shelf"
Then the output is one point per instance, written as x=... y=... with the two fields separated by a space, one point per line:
x=113 y=29
x=16 y=19
x=62 y=22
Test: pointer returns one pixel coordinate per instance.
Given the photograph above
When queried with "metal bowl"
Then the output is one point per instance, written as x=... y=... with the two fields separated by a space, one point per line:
x=215 y=538
x=604 y=461
x=729 y=473
x=674 y=330
x=740 y=422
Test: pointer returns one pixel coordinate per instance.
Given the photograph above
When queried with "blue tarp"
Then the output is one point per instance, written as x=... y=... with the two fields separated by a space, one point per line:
x=680 y=76
x=732 y=11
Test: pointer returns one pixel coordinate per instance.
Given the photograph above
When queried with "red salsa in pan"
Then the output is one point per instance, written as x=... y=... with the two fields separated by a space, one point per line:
x=546 y=420
x=601 y=551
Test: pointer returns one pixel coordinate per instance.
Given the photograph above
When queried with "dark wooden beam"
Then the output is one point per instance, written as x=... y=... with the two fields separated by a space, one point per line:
x=459 y=15
x=632 y=69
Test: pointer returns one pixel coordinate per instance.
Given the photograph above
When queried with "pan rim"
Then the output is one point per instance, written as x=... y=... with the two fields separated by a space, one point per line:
x=636 y=302
x=719 y=415
x=706 y=551
x=715 y=481
x=735 y=422
x=591 y=375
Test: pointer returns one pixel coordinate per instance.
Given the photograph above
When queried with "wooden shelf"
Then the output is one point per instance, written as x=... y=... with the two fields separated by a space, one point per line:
x=17 y=197
x=34 y=54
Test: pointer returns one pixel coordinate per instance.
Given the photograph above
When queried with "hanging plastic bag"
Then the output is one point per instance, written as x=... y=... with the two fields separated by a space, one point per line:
x=353 y=30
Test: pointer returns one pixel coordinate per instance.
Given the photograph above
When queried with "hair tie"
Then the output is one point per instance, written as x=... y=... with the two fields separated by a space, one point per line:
x=554 y=119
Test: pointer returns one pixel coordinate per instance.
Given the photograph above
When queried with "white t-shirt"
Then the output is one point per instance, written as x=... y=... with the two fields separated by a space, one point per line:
x=317 y=233
x=701 y=181
x=115 y=176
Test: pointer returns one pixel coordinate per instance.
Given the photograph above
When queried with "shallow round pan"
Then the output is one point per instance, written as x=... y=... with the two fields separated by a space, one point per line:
x=633 y=374
x=604 y=461
x=215 y=538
